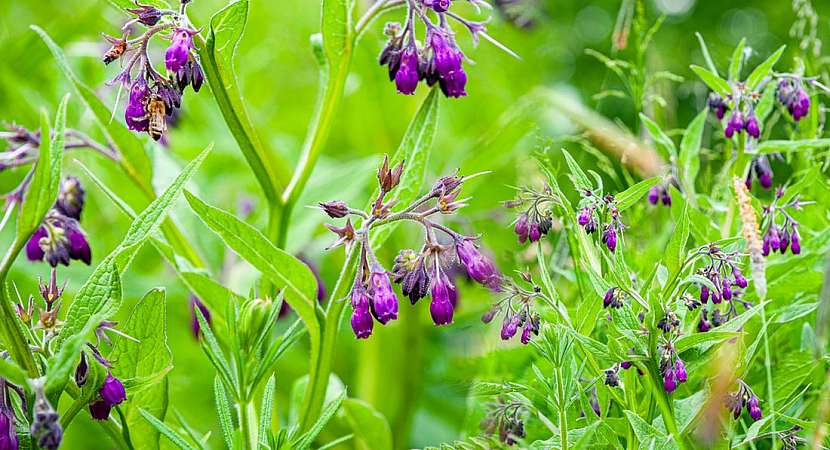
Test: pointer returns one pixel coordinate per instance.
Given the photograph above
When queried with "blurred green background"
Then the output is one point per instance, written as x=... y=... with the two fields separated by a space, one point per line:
x=414 y=373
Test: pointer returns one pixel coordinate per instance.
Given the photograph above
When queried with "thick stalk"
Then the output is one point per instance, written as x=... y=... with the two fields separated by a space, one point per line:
x=248 y=422
x=333 y=84
x=320 y=368
x=665 y=408
x=563 y=412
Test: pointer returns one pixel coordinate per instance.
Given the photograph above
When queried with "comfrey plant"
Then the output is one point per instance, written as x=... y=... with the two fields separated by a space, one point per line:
x=154 y=97
x=420 y=273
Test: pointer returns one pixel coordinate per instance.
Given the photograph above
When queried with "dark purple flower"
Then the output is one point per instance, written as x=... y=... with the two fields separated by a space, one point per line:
x=704 y=325
x=362 y=322
x=526 y=332
x=440 y=308
x=740 y=280
x=135 y=115
x=726 y=289
x=438 y=5
x=33 y=250
x=717 y=103
x=654 y=195
x=795 y=247
x=752 y=127
x=58 y=240
x=71 y=196
x=585 y=216
x=522 y=229
x=100 y=410
x=146 y=14
x=112 y=391
x=669 y=380
x=177 y=54
x=406 y=77
x=734 y=125
x=195 y=304
x=704 y=294
x=78 y=245
x=445 y=66
x=8 y=434
x=534 y=234
x=626 y=365
x=384 y=303
x=478 y=266
x=609 y=238
x=753 y=408
x=680 y=370
x=510 y=326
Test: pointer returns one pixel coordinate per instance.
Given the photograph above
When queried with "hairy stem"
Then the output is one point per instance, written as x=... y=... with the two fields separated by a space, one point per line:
x=9 y=322
x=563 y=412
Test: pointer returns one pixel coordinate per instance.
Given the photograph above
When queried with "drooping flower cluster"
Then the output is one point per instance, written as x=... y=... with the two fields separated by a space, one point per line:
x=781 y=229
x=614 y=298
x=46 y=429
x=420 y=273
x=60 y=237
x=659 y=193
x=672 y=367
x=534 y=220
x=760 y=166
x=517 y=310
x=601 y=213
x=741 y=106
x=744 y=397
x=504 y=417
x=110 y=394
x=794 y=97
x=727 y=282
x=439 y=60
x=154 y=98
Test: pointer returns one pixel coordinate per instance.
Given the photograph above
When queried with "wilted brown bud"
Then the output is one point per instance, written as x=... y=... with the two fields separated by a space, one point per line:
x=336 y=209
x=345 y=234
x=389 y=178
x=25 y=313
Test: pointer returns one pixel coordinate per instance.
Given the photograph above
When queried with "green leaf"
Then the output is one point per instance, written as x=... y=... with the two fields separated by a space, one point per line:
x=304 y=441
x=336 y=28
x=12 y=372
x=223 y=409
x=715 y=83
x=782 y=146
x=649 y=436
x=630 y=196
x=217 y=55
x=265 y=411
x=102 y=291
x=414 y=149
x=148 y=360
x=580 y=180
x=43 y=188
x=168 y=432
x=688 y=341
x=371 y=430
x=676 y=250
x=130 y=147
x=214 y=352
x=61 y=365
x=663 y=142
x=282 y=268
x=763 y=70
x=736 y=61
x=689 y=159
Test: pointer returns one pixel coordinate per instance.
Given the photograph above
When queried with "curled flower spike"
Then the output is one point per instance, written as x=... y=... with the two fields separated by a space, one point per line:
x=659 y=194
x=744 y=397
x=535 y=219
x=71 y=196
x=781 y=228
x=46 y=428
x=792 y=96
x=718 y=105
x=613 y=298
x=601 y=212
x=672 y=368
x=518 y=311
x=59 y=239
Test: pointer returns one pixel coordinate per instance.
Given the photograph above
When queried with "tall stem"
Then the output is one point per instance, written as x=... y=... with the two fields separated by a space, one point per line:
x=247 y=420
x=13 y=336
x=563 y=411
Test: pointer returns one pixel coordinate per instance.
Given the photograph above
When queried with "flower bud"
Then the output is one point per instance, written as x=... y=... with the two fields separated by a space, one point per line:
x=441 y=308
x=82 y=371
x=336 y=209
x=753 y=408
x=112 y=391
x=46 y=428
x=669 y=380
x=406 y=77
x=362 y=322
x=252 y=319
x=478 y=266
x=146 y=14
x=8 y=433
x=70 y=200
x=510 y=326
x=177 y=54
x=99 y=410
x=680 y=370
x=384 y=303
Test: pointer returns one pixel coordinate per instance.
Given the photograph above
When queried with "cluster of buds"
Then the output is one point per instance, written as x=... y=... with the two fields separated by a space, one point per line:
x=744 y=397
x=60 y=238
x=48 y=314
x=614 y=298
x=46 y=429
x=760 y=166
x=439 y=60
x=727 y=283
x=505 y=419
x=742 y=116
x=420 y=273
x=517 y=310
x=534 y=220
x=601 y=213
x=659 y=193
x=110 y=394
x=154 y=98
x=781 y=228
x=672 y=367
x=794 y=97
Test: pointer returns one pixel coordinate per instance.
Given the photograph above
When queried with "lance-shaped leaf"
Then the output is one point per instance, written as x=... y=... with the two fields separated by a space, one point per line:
x=414 y=149
x=174 y=437
x=737 y=61
x=217 y=54
x=130 y=147
x=336 y=28
x=283 y=269
x=715 y=83
x=662 y=140
x=147 y=362
x=689 y=159
x=763 y=70
x=630 y=196
x=43 y=188
x=98 y=294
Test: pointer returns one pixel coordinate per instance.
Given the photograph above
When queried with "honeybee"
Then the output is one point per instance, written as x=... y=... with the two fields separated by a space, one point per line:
x=155 y=115
x=119 y=46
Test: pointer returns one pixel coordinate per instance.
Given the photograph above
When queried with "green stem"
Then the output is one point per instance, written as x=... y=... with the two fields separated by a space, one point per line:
x=13 y=336
x=665 y=408
x=768 y=369
x=125 y=429
x=247 y=419
x=333 y=81
x=320 y=368
x=110 y=427
x=563 y=412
